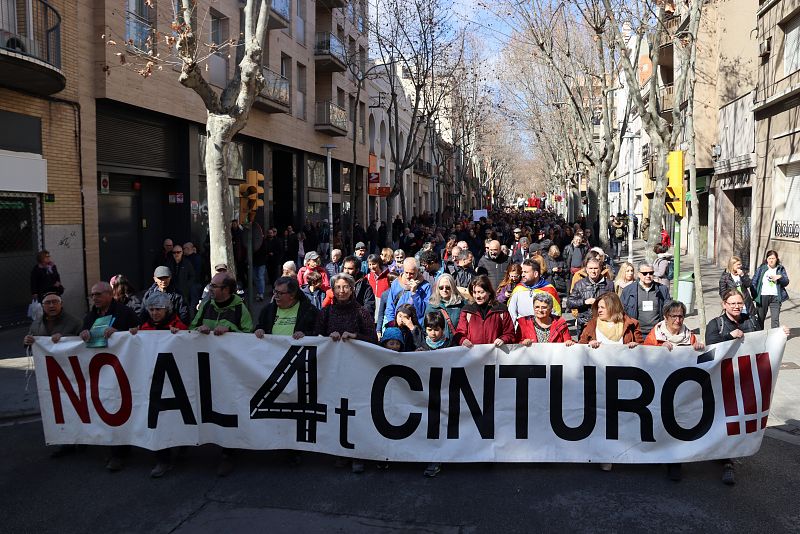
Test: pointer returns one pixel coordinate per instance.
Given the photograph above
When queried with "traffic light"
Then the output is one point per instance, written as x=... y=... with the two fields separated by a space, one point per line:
x=251 y=196
x=675 y=193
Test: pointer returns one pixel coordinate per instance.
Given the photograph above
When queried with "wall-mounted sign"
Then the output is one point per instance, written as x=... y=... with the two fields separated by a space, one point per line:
x=105 y=183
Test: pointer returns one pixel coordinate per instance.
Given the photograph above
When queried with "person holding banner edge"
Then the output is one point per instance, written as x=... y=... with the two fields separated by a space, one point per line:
x=289 y=314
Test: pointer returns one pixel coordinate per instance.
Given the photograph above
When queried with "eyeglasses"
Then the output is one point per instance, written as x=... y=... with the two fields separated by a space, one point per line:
x=735 y=304
x=280 y=293
x=646 y=273
x=675 y=317
x=445 y=288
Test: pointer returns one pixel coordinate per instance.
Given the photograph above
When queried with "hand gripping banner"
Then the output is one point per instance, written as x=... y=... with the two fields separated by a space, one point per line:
x=546 y=403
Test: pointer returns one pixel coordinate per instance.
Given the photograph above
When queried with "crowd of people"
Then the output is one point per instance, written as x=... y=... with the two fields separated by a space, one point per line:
x=515 y=277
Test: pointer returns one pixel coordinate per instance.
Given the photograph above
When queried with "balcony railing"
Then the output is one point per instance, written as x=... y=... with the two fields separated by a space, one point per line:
x=331 y=118
x=669 y=29
x=32 y=29
x=329 y=44
x=666 y=98
x=282 y=8
x=275 y=96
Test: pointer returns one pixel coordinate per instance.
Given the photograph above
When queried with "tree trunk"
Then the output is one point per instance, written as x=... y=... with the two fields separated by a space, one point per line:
x=657 y=207
x=603 y=209
x=220 y=215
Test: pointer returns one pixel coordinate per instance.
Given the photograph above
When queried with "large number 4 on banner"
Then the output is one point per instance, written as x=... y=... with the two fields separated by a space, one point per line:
x=300 y=362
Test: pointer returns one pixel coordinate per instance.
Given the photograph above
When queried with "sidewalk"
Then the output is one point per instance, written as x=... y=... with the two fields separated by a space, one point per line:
x=784 y=418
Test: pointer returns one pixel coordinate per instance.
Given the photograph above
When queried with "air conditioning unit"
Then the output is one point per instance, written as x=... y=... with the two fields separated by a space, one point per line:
x=765 y=47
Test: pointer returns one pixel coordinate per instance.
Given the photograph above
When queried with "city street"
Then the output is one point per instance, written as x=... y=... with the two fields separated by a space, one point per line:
x=268 y=492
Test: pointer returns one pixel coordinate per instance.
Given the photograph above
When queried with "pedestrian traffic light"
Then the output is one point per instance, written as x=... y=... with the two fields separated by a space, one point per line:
x=251 y=196
x=675 y=193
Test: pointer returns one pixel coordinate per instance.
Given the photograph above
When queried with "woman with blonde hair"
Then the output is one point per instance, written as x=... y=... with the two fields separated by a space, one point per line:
x=735 y=277
x=625 y=277
x=446 y=300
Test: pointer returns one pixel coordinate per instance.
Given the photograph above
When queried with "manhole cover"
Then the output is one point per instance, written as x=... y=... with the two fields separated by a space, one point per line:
x=786 y=366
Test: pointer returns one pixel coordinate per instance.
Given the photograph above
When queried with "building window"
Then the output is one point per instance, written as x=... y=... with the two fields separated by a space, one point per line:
x=301 y=91
x=300 y=22
x=139 y=22
x=791 y=46
x=218 y=60
x=316 y=174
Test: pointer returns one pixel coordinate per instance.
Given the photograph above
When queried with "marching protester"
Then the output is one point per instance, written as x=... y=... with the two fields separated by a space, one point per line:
x=346 y=319
x=224 y=312
x=644 y=301
x=183 y=275
x=289 y=313
x=312 y=289
x=160 y=316
x=334 y=266
x=509 y=282
x=44 y=277
x=122 y=319
x=661 y=264
x=521 y=302
x=543 y=326
x=494 y=263
x=446 y=301
x=464 y=271
x=409 y=288
x=735 y=277
x=610 y=326
x=406 y=320
x=558 y=274
x=671 y=331
x=363 y=291
x=55 y=323
x=162 y=282
x=485 y=320
x=585 y=293
x=574 y=253
x=769 y=284
x=625 y=277
x=311 y=264
x=434 y=339
x=124 y=293
x=378 y=275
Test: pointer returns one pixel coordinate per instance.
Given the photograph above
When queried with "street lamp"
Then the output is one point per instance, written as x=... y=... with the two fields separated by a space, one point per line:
x=630 y=136
x=329 y=172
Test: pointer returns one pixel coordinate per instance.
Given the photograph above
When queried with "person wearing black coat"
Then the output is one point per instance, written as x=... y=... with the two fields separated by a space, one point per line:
x=287 y=294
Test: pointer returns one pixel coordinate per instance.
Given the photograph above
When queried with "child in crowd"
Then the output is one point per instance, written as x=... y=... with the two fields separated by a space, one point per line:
x=406 y=320
x=313 y=289
x=434 y=340
x=392 y=339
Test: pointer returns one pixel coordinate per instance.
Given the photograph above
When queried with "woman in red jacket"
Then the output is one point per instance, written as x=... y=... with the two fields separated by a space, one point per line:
x=485 y=320
x=377 y=275
x=543 y=326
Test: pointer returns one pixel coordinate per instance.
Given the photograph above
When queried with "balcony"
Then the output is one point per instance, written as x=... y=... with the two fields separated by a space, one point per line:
x=275 y=96
x=331 y=4
x=280 y=16
x=666 y=98
x=331 y=119
x=30 y=47
x=668 y=32
x=329 y=53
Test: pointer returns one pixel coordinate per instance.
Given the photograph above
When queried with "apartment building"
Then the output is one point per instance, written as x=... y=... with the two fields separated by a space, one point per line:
x=776 y=189
x=40 y=171
x=144 y=137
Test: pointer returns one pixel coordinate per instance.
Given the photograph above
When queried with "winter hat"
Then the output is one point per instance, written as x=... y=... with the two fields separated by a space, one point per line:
x=390 y=333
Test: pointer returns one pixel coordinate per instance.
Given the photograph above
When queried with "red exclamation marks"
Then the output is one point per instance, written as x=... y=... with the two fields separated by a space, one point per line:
x=765 y=381
x=748 y=392
x=729 y=396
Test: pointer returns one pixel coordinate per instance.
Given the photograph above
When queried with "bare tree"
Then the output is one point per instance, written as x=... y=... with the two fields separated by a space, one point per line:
x=419 y=49
x=571 y=40
x=227 y=110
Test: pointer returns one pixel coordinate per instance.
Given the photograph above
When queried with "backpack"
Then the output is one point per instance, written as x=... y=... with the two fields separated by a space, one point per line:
x=618 y=233
x=670 y=269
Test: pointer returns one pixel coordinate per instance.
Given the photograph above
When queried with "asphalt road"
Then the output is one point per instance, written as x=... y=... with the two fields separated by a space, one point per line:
x=267 y=493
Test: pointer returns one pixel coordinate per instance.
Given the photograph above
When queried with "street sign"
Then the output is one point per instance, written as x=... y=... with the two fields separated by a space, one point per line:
x=105 y=184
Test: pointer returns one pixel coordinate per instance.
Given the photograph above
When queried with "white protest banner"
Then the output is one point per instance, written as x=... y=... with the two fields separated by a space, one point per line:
x=513 y=404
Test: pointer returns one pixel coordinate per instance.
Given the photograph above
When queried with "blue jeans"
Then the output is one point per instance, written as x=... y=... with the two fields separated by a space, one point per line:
x=259 y=276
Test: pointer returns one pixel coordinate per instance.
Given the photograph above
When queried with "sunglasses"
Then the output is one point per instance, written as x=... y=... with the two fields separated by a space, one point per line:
x=646 y=273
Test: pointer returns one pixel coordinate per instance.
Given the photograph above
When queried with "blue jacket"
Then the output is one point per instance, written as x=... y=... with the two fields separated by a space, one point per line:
x=630 y=297
x=782 y=283
x=398 y=295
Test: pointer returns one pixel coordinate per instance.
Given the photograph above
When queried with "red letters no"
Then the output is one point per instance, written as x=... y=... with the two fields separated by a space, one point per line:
x=56 y=374
x=126 y=404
